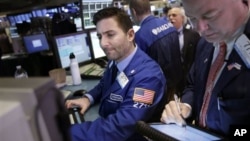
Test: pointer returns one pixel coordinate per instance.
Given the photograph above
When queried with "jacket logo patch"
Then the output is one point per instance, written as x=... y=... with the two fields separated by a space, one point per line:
x=116 y=97
x=161 y=28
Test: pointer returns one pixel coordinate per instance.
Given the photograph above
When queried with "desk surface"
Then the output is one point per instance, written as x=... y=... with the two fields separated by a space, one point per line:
x=13 y=56
x=86 y=84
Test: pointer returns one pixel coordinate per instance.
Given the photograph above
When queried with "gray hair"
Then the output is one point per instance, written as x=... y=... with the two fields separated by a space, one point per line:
x=182 y=12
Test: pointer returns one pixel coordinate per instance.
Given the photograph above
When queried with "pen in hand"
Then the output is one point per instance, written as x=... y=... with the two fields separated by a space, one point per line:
x=184 y=124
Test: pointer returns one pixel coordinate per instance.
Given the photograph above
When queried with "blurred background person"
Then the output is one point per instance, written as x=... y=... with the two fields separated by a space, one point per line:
x=159 y=39
x=165 y=12
x=188 y=40
x=61 y=24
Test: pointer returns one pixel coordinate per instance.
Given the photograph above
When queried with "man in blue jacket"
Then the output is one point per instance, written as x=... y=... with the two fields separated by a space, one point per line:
x=135 y=93
x=159 y=39
x=224 y=103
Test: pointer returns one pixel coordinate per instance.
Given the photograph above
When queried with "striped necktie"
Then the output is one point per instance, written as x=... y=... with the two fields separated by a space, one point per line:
x=214 y=69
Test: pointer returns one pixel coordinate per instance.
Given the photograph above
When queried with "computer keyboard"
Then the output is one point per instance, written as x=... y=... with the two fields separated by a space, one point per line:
x=91 y=71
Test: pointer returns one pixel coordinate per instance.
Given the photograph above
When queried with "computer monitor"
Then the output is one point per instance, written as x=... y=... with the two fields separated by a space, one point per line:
x=35 y=43
x=42 y=104
x=13 y=31
x=78 y=23
x=68 y=43
x=95 y=44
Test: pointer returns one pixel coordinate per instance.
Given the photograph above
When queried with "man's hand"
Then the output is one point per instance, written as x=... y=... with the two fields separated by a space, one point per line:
x=171 y=113
x=83 y=103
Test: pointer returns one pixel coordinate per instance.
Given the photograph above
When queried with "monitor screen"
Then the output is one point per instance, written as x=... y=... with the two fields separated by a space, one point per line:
x=95 y=44
x=163 y=132
x=35 y=43
x=185 y=133
x=78 y=23
x=73 y=42
x=12 y=20
x=13 y=31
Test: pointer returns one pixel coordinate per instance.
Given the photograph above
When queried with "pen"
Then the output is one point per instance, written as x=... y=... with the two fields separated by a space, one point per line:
x=179 y=109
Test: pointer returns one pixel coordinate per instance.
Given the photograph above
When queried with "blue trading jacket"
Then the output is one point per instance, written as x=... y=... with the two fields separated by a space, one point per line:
x=160 y=40
x=151 y=30
x=118 y=111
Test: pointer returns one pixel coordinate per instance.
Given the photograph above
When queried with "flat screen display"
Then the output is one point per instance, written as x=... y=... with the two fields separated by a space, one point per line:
x=187 y=133
x=97 y=50
x=35 y=43
x=73 y=42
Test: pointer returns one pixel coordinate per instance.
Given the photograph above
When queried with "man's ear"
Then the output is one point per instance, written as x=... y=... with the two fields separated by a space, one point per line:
x=131 y=34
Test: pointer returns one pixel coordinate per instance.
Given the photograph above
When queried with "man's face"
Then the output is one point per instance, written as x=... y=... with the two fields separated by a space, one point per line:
x=175 y=17
x=116 y=44
x=216 y=20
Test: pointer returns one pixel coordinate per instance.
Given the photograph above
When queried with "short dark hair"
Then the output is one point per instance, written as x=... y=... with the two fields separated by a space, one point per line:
x=120 y=15
x=140 y=6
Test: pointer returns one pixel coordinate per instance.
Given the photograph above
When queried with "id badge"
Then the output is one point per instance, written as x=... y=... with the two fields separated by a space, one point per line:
x=242 y=46
x=122 y=79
